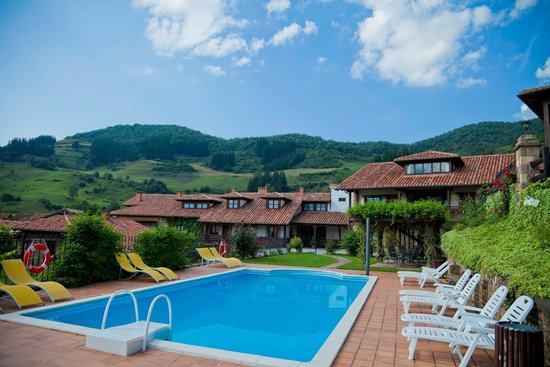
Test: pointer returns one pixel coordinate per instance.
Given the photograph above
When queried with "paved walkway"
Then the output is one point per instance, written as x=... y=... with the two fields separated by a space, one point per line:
x=339 y=261
x=375 y=339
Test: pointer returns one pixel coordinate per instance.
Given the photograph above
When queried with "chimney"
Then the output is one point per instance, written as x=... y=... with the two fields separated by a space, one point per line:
x=106 y=214
x=139 y=196
x=233 y=189
x=180 y=195
x=301 y=190
x=262 y=190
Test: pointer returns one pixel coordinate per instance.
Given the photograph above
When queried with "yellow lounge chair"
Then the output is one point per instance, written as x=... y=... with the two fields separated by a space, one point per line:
x=21 y=295
x=140 y=264
x=209 y=258
x=218 y=256
x=17 y=274
x=127 y=267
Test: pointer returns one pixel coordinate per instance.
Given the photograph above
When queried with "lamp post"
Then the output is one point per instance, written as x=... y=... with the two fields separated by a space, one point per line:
x=525 y=124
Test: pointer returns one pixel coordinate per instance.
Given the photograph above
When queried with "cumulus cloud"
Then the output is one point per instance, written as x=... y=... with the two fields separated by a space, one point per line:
x=469 y=82
x=544 y=71
x=277 y=6
x=220 y=47
x=520 y=6
x=214 y=70
x=288 y=33
x=175 y=26
x=419 y=43
x=256 y=45
x=321 y=60
x=524 y=113
x=243 y=61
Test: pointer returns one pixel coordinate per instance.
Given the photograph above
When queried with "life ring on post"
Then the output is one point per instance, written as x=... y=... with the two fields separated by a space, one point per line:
x=223 y=248
x=28 y=255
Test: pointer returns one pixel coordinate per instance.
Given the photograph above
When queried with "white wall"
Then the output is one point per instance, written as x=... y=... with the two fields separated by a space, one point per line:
x=332 y=233
x=335 y=204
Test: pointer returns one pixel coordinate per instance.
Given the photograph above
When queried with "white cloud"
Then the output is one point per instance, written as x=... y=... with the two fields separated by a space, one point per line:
x=521 y=6
x=147 y=71
x=277 y=6
x=469 y=82
x=288 y=33
x=220 y=47
x=214 y=70
x=321 y=60
x=524 y=113
x=419 y=43
x=256 y=45
x=243 y=61
x=176 y=26
x=544 y=72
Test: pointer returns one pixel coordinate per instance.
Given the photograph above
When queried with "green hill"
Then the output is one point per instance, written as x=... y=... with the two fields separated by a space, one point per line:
x=102 y=168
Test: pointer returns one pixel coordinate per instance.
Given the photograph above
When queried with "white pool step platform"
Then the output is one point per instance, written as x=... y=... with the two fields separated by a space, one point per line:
x=125 y=340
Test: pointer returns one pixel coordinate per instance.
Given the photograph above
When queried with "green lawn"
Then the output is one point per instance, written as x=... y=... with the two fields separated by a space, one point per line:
x=294 y=259
x=355 y=263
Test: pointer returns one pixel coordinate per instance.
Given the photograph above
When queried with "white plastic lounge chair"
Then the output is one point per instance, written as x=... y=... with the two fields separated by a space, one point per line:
x=445 y=300
x=477 y=338
x=425 y=275
x=457 y=321
x=441 y=288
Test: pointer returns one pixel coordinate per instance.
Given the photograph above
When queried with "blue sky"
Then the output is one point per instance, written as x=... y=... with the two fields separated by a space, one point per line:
x=362 y=70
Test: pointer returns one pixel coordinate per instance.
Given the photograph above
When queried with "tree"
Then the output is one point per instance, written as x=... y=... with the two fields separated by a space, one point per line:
x=72 y=190
x=165 y=246
x=244 y=240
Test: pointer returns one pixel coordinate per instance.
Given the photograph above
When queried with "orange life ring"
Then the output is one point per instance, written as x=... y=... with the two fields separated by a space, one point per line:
x=223 y=248
x=28 y=254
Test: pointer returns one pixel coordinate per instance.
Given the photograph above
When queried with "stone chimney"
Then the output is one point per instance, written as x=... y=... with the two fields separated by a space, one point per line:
x=234 y=189
x=262 y=190
x=180 y=195
x=106 y=214
x=301 y=191
x=527 y=150
x=139 y=196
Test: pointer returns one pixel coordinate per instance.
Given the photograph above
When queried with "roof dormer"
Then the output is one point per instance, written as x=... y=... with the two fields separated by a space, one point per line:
x=430 y=162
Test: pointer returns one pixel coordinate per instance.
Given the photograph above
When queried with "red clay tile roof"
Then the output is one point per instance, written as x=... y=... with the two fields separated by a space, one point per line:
x=237 y=195
x=255 y=211
x=58 y=223
x=275 y=195
x=200 y=198
x=322 y=218
x=158 y=205
x=477 y=170
x=426 y=156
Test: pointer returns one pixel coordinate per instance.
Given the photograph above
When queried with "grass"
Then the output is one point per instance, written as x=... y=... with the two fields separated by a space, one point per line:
x=294 y=259
x=355 y=262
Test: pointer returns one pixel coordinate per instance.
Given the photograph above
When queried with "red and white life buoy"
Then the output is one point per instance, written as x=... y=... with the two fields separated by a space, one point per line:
x=28 y=255
x=223 y=248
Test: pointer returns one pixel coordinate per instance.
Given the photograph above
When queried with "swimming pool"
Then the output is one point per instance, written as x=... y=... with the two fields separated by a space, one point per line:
x=262 y=317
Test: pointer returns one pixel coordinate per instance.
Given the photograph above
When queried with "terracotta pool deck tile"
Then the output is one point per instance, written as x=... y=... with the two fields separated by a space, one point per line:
x=375 y=339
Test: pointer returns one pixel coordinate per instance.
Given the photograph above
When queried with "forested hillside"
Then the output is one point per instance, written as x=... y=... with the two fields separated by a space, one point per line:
x=103 y=168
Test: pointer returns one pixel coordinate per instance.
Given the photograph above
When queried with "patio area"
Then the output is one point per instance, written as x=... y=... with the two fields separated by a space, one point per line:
x=375 y=339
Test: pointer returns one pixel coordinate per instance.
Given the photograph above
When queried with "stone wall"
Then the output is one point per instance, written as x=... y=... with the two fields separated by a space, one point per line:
x=539 y=316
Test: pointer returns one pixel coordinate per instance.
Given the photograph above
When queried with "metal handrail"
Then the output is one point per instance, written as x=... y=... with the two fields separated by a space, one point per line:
x=111 y=300
x=145 y=336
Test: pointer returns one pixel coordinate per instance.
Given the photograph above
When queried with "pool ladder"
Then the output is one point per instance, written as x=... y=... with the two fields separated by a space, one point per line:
x=130 y=338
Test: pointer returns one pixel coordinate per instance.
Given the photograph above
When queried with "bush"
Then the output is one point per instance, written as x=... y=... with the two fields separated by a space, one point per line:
x=88 y=254
x=331 y=246
x=165 y=246
x=353 y=240
x=295 y=243
x=8 y=246
x=244 y=240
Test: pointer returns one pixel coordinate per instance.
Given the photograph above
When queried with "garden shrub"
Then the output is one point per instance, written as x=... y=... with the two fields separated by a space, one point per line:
x=165 y=246
x=88 y=254
x=331 y=247
x=353 y=240
x=295 y=243
x=244 y=241
x=516 y=247
x=8 y=246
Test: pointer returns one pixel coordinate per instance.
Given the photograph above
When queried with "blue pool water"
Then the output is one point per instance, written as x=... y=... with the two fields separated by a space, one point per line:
x=282 y=314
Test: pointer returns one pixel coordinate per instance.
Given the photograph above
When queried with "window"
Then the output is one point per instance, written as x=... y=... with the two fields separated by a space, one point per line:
x=213 y=229
x=374 y=199
x=179 y=228
x=341 y=199
x=202 y=206
x=188 y=205
x=273 y=204
x=427 y=168
x=271 y=231
x=321 y=207
x=309 y=206
x=232 y=203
